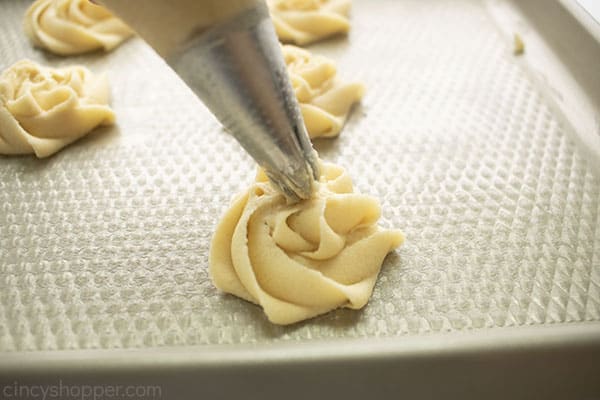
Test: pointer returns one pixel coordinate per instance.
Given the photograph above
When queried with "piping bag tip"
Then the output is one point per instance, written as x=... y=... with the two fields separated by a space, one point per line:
x=236 y=66
x=296 y=184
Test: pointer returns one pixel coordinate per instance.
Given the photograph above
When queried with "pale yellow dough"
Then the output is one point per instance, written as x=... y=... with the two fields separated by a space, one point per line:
x=325 y=101
x=307 y=21
x=68 y=27
x=43 y=109
x=304 y=259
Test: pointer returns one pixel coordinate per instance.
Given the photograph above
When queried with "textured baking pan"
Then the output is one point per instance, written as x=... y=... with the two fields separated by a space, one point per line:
x=486 y=160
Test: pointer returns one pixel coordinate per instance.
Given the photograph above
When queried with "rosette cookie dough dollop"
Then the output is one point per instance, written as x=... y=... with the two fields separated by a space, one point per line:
x=68 y=27
x=325 y=101
x=43 y=109
x=306 y=21
x=304 y=259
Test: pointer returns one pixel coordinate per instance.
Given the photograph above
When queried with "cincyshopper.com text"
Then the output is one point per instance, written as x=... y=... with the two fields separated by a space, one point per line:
x=63 y=391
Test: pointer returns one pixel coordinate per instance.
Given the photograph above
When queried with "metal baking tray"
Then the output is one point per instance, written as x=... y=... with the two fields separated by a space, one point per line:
x=487 y=160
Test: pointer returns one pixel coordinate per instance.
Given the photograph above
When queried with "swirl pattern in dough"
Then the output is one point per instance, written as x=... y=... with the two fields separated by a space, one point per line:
x=325 y=101
x=307 y=21
x=68 y=27
x=301 y=260
x=43 y=109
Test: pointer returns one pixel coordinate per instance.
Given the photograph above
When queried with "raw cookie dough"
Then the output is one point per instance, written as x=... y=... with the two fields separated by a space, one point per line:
x=519 y=45
x=324 y=100
x=304 y=259
x=306 y=21
x=73 y=26
x=43 y=109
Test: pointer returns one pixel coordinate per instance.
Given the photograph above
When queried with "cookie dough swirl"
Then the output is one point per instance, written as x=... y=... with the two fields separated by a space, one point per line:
x=305 y=259
x=307 y=21
x=43 y=109
x=325 y=101
x=68 y=27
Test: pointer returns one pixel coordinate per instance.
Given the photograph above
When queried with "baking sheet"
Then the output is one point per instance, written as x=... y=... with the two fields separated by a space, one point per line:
x=105 y=245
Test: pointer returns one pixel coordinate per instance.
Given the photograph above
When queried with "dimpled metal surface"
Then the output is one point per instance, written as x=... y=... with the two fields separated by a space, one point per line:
x=105 y=245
